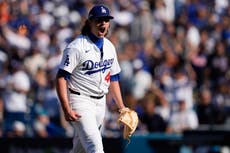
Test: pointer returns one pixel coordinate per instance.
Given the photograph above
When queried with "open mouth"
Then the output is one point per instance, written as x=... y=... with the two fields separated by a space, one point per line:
x=102 y=29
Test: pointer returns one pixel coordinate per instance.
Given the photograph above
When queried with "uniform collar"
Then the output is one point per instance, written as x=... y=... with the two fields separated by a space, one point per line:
x=97 y=41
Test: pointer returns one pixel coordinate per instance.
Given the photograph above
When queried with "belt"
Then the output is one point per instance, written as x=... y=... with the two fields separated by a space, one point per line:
x=78 y=93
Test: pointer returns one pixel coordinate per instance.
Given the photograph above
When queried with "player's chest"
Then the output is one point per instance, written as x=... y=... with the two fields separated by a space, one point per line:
x=93 y=60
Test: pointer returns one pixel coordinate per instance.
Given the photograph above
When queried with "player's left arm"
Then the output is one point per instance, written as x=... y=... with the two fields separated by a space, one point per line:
x=115 y=91
x=114 y=87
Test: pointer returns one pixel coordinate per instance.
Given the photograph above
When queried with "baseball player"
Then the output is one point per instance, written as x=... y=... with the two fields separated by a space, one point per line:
x=88 y=71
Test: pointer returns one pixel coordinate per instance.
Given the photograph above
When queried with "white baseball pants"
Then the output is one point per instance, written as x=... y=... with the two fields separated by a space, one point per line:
x=87 y=137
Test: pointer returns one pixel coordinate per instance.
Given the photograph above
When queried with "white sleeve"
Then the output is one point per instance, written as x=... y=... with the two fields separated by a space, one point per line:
x=70 y=59
x=115 y=69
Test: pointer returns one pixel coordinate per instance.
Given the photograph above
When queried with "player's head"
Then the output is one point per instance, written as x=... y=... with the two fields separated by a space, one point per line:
x=98 y=21
x=99 y=11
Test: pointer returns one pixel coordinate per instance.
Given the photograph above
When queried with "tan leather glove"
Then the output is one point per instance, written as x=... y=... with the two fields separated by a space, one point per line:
x=129 y=119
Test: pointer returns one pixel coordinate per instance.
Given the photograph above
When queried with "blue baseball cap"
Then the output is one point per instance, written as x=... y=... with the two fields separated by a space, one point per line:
x=99 y=11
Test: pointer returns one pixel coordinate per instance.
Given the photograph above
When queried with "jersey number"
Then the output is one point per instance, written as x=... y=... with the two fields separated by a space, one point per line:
x=107 y=77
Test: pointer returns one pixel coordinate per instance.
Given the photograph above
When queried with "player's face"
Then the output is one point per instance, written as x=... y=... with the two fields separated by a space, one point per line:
x=100 y=26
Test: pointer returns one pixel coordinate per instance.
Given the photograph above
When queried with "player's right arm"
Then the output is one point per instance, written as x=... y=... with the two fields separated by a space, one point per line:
x=70 y=59
x=61 y=88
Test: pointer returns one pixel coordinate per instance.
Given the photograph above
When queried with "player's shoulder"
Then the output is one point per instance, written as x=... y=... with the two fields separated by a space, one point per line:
x=78 y=42
x=108 y=43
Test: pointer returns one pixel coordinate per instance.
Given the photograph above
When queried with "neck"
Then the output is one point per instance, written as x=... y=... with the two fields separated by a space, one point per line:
x=97 y=41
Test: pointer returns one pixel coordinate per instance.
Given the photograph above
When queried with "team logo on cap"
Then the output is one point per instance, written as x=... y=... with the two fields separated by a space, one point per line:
x=103 y=10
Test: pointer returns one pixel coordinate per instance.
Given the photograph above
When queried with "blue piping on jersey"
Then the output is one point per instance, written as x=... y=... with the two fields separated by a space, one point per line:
x=97 y=41
x=115 y=77
x=64 y=74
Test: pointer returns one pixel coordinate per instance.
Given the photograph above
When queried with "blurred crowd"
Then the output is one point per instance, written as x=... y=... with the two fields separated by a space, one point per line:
x=174 y=56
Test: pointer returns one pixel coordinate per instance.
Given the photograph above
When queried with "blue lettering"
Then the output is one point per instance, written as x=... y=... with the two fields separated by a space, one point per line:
x=94 y=67
x=101 y=63
x=88 y=65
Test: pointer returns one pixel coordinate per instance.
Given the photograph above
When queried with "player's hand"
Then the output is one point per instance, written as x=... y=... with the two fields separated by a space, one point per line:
x=71 y=116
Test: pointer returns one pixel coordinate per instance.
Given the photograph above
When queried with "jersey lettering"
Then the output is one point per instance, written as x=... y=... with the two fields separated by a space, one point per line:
x=93 y=67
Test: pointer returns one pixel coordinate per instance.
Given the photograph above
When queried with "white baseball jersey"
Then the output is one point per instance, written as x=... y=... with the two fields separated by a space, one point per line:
x=90 y=72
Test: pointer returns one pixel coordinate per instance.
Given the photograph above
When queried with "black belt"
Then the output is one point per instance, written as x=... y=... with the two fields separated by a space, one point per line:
x=78 y=93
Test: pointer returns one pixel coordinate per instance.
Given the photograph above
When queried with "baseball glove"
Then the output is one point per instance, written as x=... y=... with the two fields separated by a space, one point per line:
x=129 y=119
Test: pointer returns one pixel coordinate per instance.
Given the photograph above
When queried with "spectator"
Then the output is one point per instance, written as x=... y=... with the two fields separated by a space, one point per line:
x=183 y=119
x=221 y=98
x=175 y=81
x=199 y=59
x=164 y=11
x=35 y=61
x=40 y=129
x=142 y=80
x=4 y=13
x=149 y=118
x=19 y=130
x=126 y=57
x=141 y=27
x=16 y=39
x=164 y=74
x=183 y=87
x=15 y=97
x=218 y=63
x=53 y=110
x=207 y=111
x=162 y=105
x=39 y=82
x=44 y=127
